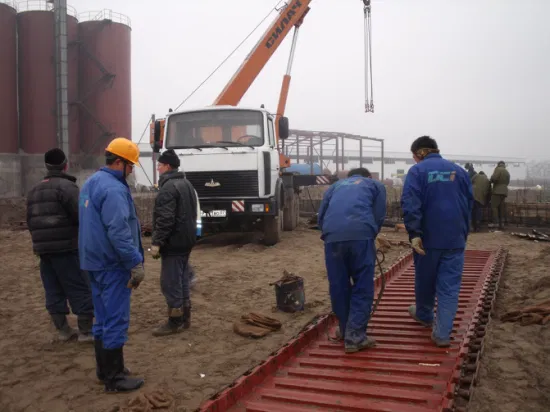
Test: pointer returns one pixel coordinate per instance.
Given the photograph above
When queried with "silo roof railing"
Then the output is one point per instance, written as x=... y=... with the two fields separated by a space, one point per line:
x=40 y=5
x=105 y=14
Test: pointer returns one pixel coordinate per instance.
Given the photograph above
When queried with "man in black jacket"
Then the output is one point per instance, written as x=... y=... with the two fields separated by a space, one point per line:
x=52 y=219
x=174 y=235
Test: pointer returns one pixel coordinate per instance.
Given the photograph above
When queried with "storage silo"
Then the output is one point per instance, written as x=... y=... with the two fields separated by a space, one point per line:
x=104 y=82
x=9 y=145
x=37 y=80
x=38 y=87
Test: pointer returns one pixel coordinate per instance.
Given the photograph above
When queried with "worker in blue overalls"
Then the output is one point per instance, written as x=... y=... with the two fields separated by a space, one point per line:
x=350 y=216
x=111 y=251
x=437 y=202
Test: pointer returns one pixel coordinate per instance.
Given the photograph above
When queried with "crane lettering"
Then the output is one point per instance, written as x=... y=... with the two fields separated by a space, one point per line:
x=287 y=20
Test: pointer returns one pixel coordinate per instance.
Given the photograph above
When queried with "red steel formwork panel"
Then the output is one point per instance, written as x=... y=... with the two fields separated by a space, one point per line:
x=104 y=83
x=37 y=81
x=8 y=79
x=405 y=372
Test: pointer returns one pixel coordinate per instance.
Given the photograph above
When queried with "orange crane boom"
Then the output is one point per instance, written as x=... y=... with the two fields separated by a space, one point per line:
x=289 y=17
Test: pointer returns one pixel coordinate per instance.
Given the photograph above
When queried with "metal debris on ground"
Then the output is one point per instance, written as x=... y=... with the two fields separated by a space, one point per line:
x=156 y=400
x=535 y=237
x=382 y=244
x=254 y=325
x=530 y=315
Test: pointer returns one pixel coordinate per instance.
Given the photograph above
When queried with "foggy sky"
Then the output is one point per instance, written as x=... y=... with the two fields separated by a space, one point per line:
x=473 y=74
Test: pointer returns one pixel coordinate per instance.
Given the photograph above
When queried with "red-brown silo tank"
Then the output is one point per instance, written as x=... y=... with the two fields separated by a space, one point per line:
x=8 y=79
x=105 y=80
x=37 y=81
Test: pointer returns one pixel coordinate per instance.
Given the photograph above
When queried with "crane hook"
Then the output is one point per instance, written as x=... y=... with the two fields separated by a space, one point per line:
x=369 y=102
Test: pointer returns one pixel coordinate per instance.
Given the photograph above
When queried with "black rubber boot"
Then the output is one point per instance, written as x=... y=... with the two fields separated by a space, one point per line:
x=115 y=379
x=85 y=323
x=100 y=373
x=186 y=318
x=65 y=332
x=98 y=346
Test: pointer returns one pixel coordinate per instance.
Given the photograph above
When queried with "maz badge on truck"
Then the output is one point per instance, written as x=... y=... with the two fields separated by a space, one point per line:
x=212 y=183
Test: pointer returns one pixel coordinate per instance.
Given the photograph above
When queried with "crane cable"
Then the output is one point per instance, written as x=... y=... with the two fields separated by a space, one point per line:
x=274 y=8
x=369 y=93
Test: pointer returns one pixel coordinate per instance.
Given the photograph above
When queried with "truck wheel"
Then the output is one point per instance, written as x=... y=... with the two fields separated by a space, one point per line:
x=290 y=220
x=273 y=226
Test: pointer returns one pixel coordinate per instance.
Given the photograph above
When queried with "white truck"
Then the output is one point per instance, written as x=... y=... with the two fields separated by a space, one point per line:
x=230 y=156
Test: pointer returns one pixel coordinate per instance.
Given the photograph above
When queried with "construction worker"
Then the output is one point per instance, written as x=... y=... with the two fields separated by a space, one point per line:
x=500 y=180
x=437 y=202
x=482 y=192
x=52 y=219
x=111 y=252
x=174 y=235
x=350 y=217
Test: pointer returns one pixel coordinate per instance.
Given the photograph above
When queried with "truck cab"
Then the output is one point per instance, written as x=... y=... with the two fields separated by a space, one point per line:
x=230 y=156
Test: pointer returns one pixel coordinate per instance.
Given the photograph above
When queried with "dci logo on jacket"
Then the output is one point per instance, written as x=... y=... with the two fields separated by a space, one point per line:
x=437 y=176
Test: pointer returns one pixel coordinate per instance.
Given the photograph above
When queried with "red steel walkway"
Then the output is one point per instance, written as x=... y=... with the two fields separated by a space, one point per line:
x=405 y=372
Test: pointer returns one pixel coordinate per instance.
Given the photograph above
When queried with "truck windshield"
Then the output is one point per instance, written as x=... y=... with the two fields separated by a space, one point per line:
x=215 y=128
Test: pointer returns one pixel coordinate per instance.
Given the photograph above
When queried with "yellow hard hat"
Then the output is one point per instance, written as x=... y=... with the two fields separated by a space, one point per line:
x=124 y=148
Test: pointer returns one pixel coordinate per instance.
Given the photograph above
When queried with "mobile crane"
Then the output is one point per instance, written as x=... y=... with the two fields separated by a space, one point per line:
x=232 y=154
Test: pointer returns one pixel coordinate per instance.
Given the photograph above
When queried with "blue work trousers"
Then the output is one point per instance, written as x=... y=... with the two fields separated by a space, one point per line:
x=438 y=274
x=64 y=281
x=350 y=269
x=111 y=298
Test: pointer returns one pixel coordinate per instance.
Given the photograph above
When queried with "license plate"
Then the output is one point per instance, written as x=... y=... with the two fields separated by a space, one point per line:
x=214 y=213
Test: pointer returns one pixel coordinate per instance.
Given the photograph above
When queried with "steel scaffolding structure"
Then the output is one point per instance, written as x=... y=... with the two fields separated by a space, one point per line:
x=323 y=147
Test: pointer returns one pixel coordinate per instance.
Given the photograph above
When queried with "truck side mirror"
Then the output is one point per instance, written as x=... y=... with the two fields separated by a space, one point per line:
x=284 y=130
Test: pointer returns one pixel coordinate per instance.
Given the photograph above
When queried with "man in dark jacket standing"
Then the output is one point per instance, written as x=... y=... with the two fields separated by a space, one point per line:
x=437 y=203
x=173 y=238
x=350 y=217
x=52 y=219
x=500 y=180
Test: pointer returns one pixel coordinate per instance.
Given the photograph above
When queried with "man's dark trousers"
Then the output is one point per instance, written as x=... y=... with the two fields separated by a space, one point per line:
x=64 y=281
x=174 y=280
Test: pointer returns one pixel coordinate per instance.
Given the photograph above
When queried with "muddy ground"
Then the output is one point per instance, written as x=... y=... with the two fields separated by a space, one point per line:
x=233 y=278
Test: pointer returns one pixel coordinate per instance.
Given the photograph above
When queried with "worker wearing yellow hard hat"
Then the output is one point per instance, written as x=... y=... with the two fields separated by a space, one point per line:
x=111 y=251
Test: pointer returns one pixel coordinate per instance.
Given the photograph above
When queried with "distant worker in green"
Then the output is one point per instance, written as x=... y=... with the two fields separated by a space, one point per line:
x=500 y=180
x=482 y=193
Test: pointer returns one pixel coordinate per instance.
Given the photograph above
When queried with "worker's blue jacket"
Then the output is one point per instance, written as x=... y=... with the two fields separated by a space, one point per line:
x=109 y=232
x=437 y=201
x=352 y=209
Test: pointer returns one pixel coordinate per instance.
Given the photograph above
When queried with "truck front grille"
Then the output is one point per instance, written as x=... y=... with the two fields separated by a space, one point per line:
x=231 y=184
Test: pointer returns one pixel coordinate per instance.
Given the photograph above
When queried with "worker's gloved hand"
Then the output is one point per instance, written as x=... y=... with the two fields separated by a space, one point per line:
x=155 y=252
x=138 y=274
x=418 y=246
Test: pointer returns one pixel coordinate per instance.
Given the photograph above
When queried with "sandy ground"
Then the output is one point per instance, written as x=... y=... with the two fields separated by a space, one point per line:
x=37 y=374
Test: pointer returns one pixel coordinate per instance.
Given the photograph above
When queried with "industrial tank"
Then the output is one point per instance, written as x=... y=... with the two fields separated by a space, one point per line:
x=104 y=80
x=37 y=81
x=304 y=169
x=8 y=79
